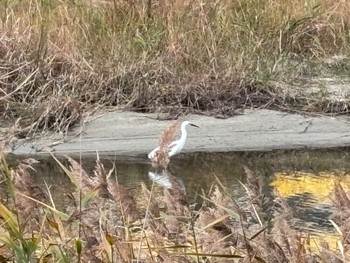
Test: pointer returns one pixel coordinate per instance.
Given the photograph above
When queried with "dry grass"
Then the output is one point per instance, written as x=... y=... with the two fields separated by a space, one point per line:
x=161 y=158
x=62 y=59
x=103 y=223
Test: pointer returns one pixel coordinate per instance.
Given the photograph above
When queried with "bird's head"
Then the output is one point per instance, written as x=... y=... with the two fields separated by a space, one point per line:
x=185 y=123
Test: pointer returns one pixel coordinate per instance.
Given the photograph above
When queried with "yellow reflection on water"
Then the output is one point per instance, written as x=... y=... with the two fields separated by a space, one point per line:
x=331 y=238
x=320 y=186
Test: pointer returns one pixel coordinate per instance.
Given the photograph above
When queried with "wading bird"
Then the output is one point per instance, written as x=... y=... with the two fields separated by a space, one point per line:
x=176 y=146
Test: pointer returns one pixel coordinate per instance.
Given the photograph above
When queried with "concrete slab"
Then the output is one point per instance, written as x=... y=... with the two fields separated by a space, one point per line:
x=135 y=134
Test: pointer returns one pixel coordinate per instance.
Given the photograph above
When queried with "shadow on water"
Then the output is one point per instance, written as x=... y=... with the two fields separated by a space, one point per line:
x=303 y=178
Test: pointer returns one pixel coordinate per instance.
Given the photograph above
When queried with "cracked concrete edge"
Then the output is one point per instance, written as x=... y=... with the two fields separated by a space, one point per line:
x=134 y=134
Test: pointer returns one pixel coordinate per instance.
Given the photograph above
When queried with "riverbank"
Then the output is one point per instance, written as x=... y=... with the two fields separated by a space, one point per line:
x=63 y=60
x=135 y=134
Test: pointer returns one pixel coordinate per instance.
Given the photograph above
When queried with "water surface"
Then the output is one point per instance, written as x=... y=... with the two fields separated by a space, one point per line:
x=304 y=179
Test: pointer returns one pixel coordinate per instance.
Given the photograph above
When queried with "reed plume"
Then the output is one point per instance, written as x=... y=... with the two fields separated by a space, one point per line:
x=125 y=202
x=340 y=218
x=161 y=158
x=26 y=187
x=83 y=181
x=101 y=178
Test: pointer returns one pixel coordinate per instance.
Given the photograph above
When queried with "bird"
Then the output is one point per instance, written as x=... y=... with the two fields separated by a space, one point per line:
x=176 y=146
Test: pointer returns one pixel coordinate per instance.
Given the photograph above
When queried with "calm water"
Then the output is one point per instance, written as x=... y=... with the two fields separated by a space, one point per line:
x=303 y=178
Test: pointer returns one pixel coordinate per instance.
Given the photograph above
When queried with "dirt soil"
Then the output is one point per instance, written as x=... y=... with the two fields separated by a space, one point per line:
x=135 y=134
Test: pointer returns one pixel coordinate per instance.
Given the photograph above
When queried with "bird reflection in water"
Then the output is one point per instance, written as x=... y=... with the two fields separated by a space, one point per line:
x=165 y=179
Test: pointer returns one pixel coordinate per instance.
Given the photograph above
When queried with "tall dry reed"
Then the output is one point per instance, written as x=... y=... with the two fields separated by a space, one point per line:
x=106 y=223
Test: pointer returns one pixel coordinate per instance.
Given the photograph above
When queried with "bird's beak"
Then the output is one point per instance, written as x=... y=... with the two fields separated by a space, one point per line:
x=194 y=125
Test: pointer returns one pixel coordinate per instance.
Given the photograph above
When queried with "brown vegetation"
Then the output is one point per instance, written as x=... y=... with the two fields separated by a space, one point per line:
x=161 y=158
x=104 y=223
x=63 y=59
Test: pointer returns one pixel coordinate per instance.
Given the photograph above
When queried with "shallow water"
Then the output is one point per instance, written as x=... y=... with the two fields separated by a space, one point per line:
x=303 y=178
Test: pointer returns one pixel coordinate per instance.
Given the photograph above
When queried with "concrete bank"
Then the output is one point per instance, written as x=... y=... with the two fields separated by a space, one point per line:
x=135 y=134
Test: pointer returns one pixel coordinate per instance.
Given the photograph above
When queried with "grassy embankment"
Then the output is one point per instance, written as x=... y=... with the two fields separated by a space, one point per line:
x=62 y=59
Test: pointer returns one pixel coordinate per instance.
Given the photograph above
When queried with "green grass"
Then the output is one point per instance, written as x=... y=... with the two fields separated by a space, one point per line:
x=61 y=59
